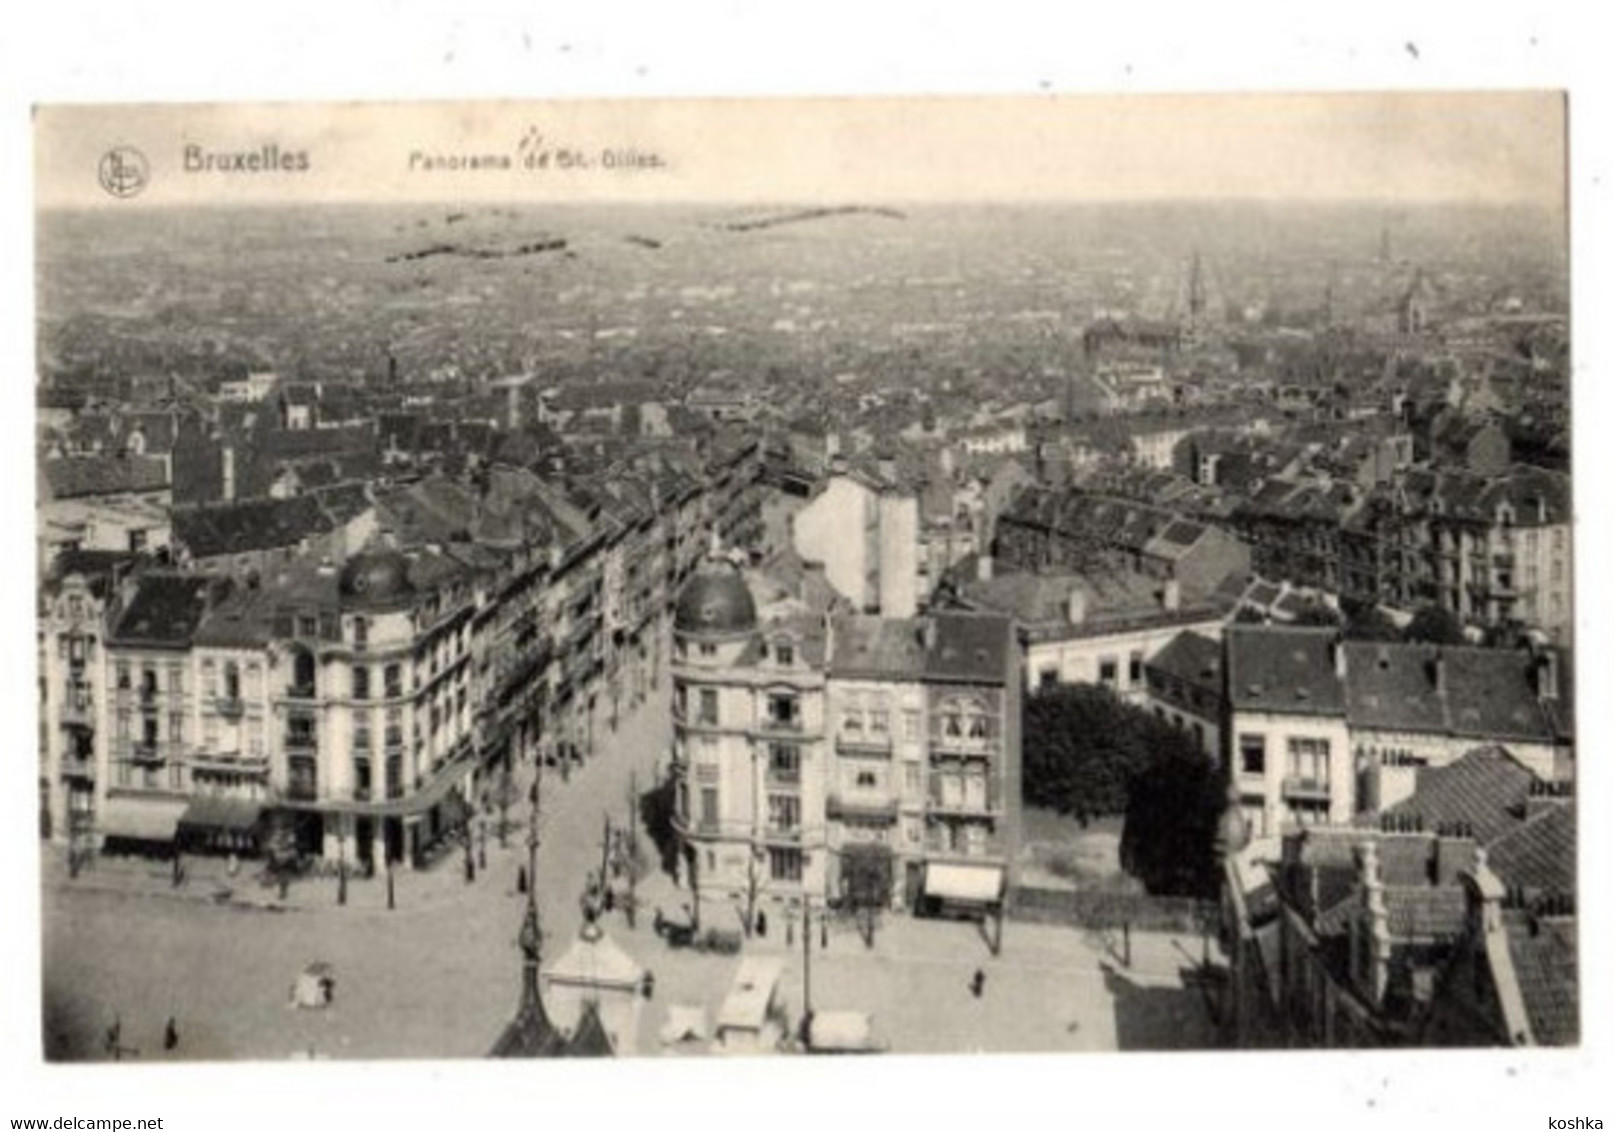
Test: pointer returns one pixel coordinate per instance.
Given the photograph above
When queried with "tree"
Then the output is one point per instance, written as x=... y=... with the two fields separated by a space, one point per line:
x=1435 y=626
x=1365 y=621
x=1173 y=808
x=1081 y=747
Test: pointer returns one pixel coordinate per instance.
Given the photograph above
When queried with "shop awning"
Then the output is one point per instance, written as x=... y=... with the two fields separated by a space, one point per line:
x=972 y=884
x=232 y=815
x=142 y=819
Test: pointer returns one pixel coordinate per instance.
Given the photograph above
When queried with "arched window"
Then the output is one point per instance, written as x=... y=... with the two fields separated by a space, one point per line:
x=232 y=680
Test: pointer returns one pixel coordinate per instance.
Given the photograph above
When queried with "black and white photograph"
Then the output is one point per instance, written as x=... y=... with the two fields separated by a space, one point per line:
x=499 y=597
x=894 y=590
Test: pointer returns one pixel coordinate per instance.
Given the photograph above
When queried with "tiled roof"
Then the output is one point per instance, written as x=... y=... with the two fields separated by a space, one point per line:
x=1480 y=789
x=73 y=477
x=1538 y=856
x=970 y=646
x=1193 y=658
x=250 y=525
x=1283 y=669
x=878 y=647
x=1545 y=958
x=165 y=609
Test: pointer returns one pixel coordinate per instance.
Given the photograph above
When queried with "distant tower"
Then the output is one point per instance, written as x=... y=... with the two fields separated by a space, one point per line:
x=1328 y=293
x=1384 y=243
x=1196 y=290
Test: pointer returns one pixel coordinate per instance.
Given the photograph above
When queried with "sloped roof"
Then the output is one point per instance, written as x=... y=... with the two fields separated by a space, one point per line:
x=72 y=477
x=1546 y=965
x=249 y=525
x=974 y=647
x=1478 y=789
x=165 y=610
x=1539 y=855
x=1283 y=669
x=1192 y=658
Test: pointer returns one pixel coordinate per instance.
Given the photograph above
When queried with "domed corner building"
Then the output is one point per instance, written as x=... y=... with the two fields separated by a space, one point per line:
x=747 y=757
x=715 y=608
x=376 y=579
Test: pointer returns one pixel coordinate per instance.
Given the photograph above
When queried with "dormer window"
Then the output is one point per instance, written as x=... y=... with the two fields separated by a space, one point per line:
x=784 y=653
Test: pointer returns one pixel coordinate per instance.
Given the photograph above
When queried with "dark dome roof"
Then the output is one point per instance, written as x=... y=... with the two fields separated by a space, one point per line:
x=376 y=577
x=716 y=600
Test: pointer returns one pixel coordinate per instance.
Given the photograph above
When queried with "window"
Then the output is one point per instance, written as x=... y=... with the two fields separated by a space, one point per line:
x=708 y=805
x=784 y=813
x=785 y=653
x=867 y=780
x=361 y=634
x=708 y=649
x=785 y=865
x=879 y=722
x=1134 y=668
x=361 y=777
x=307 y=625
x=1308 y=760
x=1253 y=754
x=911 y=778
x=123 y=675
x=1048 y=678
x=910 y=725
x=708 y=707
x=361 y=682
x=232 y=680
x=783 y=710
x=392 y=676
x=1108 y=671
x=361 y=737
x=784 y=762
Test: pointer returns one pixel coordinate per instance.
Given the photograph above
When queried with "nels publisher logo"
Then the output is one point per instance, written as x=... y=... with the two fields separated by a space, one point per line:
x=124 y=171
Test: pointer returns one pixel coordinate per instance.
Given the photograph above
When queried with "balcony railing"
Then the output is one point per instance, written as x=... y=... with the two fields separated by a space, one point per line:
x=229 y=761
x=866 y=742
x=790 y=724
x=963 y=744
x=78 y=766
x=1309 y=788
x=142 y=752
x=302 y=741
x=77 y=707
x=302 y=790
x=779 y=777
x=230 y=707
x=851 y=806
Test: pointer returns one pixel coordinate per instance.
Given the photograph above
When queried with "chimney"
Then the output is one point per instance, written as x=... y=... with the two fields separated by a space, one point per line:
x=927 y=633
x=1547 y=675
x=1336 y=652
x=1076 y=605
x=227 y=474
x=888 y=467
x=1171 y=595
x=983 y=567
x=1378 y=916
x=1437 y=672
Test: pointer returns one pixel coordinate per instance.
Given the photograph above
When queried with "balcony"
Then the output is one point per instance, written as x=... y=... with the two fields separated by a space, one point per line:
x=78 y=766
x=229 y=761
x=230 y=707
x=300 y=691
x=302 y=790
x=787 y=778
x=302 y=740
x=840 y=807
x=1310 y=789
x=786 y=833
x=148 y=752
x=788 y=724
x=78 y=710
x=972 y=746
x=864 y=742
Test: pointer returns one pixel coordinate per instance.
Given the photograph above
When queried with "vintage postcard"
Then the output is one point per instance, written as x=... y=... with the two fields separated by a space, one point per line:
x=691 y=578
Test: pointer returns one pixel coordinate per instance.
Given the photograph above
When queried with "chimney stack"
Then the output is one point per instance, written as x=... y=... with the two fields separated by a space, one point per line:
x=1336 y=651
x=1437 y=672
x=983 y=567
x=1378 y=935
x=1171 y=595
x=1076 y=605
x=1547 y=675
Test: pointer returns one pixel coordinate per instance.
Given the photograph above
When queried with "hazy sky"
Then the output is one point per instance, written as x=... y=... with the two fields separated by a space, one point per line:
x=1405 y=148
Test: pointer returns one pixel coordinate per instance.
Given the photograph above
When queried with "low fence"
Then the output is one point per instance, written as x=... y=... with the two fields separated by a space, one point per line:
x=1100 y=910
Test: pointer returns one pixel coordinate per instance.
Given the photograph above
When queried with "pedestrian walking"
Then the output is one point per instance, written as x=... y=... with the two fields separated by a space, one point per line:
x=762 y=924
x=171 y=1034
x=521 y=880
x=978 y=982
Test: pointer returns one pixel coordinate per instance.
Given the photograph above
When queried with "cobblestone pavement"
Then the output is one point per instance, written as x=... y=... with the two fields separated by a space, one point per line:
x=438 y=976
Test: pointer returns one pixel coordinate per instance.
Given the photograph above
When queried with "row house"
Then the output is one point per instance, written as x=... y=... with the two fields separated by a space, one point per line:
x=1492 y=551
x=357 y=699
x=860 y=760
x=1314 y=729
